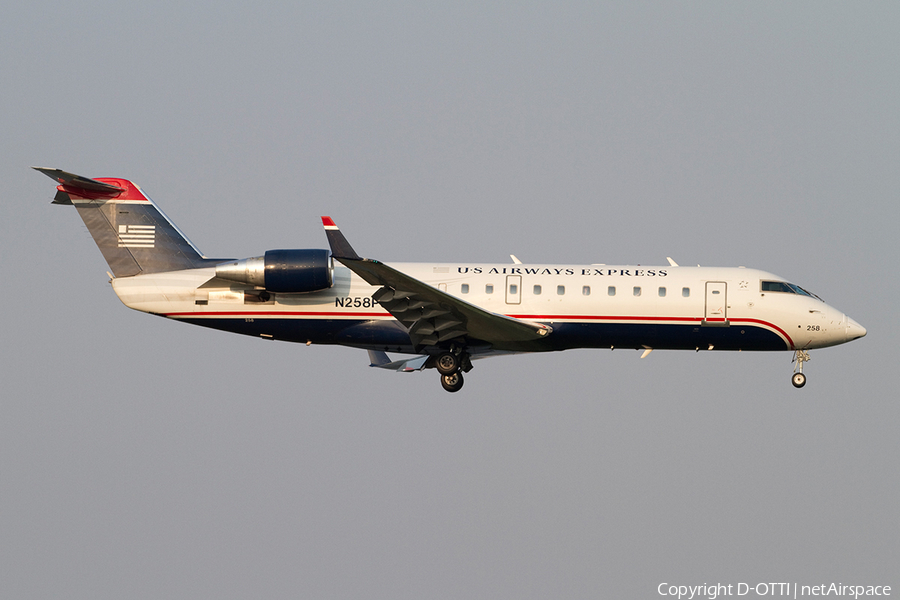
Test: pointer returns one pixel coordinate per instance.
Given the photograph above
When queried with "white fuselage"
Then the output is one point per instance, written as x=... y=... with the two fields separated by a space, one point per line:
x=587 y=306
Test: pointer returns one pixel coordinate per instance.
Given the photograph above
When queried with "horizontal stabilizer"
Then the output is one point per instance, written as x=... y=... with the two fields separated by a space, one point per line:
x=82 y=186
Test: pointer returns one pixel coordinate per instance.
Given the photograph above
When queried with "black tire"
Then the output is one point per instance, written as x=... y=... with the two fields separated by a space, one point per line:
x=447 y=363
x=799 y=380
x=453 y=382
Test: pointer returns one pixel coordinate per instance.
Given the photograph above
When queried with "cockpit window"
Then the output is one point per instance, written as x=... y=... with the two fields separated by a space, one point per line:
x=787 y=288
x=776 y=286
x=800 y=290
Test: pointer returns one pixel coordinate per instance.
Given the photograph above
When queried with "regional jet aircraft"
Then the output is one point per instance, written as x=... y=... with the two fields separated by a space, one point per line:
x=444 y=315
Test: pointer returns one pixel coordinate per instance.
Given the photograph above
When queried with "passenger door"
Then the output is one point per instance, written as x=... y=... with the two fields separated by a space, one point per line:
x=716 y=311
x=513 y=289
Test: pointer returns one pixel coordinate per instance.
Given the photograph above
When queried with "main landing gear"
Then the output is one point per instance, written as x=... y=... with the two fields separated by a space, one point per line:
x=451 y=366
x=799 y=379
x=452 y=382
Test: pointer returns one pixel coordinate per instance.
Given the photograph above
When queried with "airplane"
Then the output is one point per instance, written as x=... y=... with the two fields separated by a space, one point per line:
x=443 y=315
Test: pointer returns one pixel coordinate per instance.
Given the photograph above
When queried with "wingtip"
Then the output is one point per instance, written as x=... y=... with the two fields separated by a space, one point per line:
x=328 y=222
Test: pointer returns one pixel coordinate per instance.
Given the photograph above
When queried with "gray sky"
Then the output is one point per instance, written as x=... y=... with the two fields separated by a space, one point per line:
x=141 y=458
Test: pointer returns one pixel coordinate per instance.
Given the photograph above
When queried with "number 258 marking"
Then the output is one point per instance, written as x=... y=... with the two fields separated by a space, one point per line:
x=366 y=302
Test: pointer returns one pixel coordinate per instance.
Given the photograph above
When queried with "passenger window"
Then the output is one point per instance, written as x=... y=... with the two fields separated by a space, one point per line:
x=464 y=288
x=560 y=290
x=686 y=292
x=662 y=292
x=611 y=290
x=537 y=290
x=586 y=290
x=489 y=289
x=513 y=289
x=637 y=291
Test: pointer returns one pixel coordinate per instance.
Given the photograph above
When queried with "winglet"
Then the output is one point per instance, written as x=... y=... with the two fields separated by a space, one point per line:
x=378 y=358
x=340 y=247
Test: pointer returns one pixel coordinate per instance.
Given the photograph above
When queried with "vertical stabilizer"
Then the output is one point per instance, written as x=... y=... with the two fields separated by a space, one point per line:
x=131 y=232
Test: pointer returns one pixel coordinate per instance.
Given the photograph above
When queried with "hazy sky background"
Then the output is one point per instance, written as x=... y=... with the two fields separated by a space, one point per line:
x=142 y=458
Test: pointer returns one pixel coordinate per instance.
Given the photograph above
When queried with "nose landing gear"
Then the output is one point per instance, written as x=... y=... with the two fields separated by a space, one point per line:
x=799 y=379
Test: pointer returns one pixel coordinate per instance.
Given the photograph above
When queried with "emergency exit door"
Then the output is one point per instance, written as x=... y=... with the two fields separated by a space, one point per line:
x=513 y=289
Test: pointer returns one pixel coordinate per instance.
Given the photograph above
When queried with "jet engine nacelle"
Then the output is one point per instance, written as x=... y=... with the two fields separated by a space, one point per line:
x=282 y=271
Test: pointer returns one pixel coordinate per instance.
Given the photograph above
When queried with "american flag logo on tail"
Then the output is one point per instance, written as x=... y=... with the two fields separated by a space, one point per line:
x=137 y=236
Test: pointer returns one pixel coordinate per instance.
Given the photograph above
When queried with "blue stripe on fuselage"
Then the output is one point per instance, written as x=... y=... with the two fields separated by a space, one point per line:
x=390 y=334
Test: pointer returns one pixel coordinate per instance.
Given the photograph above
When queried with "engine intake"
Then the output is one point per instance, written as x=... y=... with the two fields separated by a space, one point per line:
x=282 y=271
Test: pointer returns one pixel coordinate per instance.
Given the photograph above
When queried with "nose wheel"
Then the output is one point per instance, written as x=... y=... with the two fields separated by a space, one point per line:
x=799 y=379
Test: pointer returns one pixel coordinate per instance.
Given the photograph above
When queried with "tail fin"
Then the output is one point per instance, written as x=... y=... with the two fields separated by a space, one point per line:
x=131 y=232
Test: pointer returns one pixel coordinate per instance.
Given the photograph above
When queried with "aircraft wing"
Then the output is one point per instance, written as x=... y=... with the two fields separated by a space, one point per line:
x=430 y=315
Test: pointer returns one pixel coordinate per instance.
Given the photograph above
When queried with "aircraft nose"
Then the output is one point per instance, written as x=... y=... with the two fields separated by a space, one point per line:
x=854 y=329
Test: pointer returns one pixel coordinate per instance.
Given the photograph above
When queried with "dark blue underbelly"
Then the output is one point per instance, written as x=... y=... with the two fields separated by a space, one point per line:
x=390 y=335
